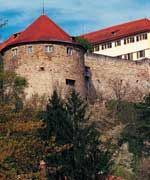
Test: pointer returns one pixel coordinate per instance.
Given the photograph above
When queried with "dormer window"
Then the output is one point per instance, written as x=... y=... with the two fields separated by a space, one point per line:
x=15 y=51
x=48 y=48
x=69 y=51
x=114 y=32
x=30 y=49
x=16 y=35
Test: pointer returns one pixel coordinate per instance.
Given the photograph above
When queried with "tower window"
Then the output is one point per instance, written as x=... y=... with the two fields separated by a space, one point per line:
x=69 y=51
x=30 y=49
x=14 y=51
x=48 y=48
x=70 y=82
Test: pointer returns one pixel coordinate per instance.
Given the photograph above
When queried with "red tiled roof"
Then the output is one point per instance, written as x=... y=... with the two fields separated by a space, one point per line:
x=8 y=41
x=42 y=29
x=118 y=31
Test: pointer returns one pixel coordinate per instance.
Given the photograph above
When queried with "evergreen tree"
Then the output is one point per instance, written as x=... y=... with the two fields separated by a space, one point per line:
x=56 y=119
x=76 y=153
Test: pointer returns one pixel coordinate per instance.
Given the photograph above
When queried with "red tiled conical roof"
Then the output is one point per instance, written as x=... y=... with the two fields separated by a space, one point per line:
x=42 y=29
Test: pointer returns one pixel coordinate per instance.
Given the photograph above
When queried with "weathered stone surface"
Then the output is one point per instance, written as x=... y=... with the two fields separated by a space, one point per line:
x=106 y=71
x=46 y=71
x=110 y=77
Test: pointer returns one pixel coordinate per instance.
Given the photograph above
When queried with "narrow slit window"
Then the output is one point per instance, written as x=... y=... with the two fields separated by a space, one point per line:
x=15 y=52
x=30 y=49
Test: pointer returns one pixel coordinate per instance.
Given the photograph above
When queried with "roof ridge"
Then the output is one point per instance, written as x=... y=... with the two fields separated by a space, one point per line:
x=121 y=24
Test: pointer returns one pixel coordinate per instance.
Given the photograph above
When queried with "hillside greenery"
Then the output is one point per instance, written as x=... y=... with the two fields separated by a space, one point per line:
x=64 y=136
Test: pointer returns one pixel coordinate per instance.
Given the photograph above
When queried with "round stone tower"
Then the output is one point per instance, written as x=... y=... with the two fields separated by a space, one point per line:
x=47 y=57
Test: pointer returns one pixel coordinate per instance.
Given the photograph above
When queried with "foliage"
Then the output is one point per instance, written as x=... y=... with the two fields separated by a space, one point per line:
x=135 y=118
x=121 y=171
x=21 y=150
x=136 y=133
x=78 y=154
x=124 y=111
x=85 y=43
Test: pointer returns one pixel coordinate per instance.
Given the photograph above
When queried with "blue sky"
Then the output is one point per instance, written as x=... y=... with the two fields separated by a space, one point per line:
x=74 y=16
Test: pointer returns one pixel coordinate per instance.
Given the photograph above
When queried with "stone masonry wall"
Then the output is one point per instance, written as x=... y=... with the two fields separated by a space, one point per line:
x=111 y=77
x=46 y=71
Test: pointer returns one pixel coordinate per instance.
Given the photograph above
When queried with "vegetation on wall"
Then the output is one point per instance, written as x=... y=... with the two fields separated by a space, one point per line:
x=85 y=43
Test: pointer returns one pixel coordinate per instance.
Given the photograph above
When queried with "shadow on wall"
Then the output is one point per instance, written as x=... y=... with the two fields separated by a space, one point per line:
x=92 y=94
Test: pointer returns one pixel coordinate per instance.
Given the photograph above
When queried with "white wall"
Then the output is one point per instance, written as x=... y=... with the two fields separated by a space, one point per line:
x=127 y=48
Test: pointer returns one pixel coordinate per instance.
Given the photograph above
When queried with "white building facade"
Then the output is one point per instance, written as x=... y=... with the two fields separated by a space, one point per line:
x=129 y=41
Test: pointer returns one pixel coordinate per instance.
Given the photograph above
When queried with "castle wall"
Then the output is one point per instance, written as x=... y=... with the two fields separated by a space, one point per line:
x=46 y=71
x=116 y=78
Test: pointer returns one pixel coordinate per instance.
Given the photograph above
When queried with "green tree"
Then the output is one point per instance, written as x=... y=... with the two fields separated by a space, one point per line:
x=77 y=153
x=55 y=119
x=85 y=43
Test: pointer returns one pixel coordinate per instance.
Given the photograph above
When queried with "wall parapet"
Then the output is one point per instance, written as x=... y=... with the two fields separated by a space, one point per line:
x=100 y=57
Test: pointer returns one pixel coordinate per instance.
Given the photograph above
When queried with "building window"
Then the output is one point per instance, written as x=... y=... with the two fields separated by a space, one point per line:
x=141 y=37
x=69 y=51
x=109 y=45
x=144 y=36
x=70 y=82
x=128 y=56
x=129 y=40
x=137 y=38
x=140 y=54
x=48 y=48
x=132 y=39
x=103 y=46
x=106 y=46
x=118 y=43
x=96 y=48
x=15 y=52
x=30 y=49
